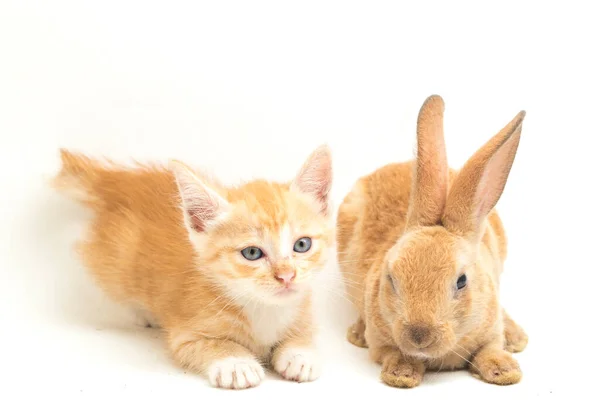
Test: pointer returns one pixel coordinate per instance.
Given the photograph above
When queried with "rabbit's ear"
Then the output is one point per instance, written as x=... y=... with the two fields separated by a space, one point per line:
x=430 y=176
x=480 y=183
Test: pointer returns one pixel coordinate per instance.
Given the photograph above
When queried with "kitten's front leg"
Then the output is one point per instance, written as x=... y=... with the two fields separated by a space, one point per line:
x=296 y=358
x=227 y=364
x=398 y=370
x=297 y=362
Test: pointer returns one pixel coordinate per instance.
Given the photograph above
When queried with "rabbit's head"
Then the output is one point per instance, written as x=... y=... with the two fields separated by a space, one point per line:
x=438 y=282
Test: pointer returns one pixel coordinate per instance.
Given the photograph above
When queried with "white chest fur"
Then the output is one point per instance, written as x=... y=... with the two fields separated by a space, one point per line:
x=270 y=322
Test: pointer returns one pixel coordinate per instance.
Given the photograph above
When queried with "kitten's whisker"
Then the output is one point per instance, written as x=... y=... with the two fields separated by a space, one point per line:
x=344 y=262
x=231 y=301
x=340 y=295
x=343 y=275
x=345 y=281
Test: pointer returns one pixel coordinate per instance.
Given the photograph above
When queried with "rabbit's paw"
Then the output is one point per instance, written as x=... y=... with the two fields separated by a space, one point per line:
x=496 y=366
x=356 y=334
x=400 y=372
x=515 y=338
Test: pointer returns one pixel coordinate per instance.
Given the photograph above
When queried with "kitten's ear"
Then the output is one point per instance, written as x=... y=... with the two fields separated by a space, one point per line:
x=315 y=177
x=201 y=205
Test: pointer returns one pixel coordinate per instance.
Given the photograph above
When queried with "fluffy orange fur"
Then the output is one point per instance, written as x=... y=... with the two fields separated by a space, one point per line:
x=422 y=248
x=169 y=242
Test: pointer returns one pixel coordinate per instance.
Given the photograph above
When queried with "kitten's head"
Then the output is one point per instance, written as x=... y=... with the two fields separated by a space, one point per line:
x=262 y=240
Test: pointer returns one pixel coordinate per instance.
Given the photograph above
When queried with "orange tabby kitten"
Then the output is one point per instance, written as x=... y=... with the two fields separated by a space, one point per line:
x=226 y=272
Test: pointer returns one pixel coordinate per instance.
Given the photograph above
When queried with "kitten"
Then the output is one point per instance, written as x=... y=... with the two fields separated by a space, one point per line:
x=226 y=272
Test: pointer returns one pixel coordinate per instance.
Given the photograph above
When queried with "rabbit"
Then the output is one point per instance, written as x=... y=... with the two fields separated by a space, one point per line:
x=421 y=249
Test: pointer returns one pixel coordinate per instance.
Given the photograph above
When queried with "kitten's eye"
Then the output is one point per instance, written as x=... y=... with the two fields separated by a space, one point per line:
x=461 y=282
x=391 y=280
x=252 y=253
x=302 y=245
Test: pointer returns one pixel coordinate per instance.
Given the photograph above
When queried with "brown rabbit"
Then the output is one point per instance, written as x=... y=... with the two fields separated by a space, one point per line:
x=422 y=260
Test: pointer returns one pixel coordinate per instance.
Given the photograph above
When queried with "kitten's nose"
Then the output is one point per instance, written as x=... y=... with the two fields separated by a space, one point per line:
x=420 y=336
x=285 y=277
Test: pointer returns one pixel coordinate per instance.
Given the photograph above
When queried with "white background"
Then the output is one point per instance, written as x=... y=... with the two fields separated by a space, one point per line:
x=248 y=89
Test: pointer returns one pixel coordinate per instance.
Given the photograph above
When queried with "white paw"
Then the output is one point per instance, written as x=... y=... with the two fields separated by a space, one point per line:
x=235 y=373
x=298 y=364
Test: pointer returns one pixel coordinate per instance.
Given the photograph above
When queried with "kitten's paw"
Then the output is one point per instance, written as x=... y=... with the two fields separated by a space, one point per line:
x=298 y=364
x=235 y=373
x=497 y=367
x=356 y=334
x=398 y=372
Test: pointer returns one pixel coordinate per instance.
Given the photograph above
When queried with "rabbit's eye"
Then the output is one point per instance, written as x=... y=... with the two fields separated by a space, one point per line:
x=461 y=282
x=391 y=280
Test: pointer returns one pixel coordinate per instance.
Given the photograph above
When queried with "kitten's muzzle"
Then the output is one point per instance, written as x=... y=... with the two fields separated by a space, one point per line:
x=285 y=277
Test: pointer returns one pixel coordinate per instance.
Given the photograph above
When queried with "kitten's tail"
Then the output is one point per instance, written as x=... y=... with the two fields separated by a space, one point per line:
x=78 y=177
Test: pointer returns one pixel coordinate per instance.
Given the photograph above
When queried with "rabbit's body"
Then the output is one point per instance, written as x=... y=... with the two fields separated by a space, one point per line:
x=371 y=219
x=398 y=251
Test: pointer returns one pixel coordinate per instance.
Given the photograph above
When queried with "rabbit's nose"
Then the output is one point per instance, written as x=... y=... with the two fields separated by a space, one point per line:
x=420 y=336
